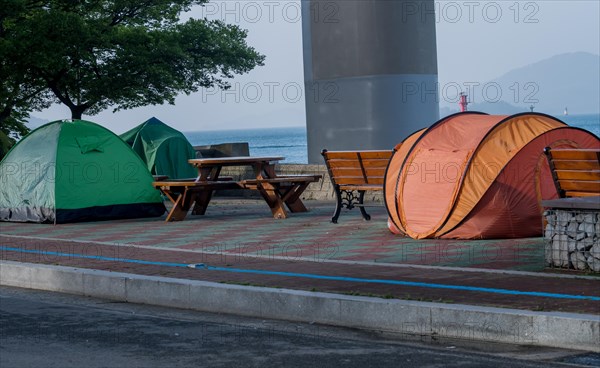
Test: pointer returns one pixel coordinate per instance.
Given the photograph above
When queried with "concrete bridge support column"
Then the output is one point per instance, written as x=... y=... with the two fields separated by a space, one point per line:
x=370 y=69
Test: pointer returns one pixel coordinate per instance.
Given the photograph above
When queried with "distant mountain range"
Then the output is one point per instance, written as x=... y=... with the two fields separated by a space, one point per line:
x=563 y=81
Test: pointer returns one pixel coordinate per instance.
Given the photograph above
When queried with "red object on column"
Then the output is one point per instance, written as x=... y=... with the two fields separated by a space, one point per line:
x=463 y=102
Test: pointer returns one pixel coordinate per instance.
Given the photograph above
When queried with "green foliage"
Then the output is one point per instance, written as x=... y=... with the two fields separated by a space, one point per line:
x=94 y=55
x=21 y=90
x=5 y=144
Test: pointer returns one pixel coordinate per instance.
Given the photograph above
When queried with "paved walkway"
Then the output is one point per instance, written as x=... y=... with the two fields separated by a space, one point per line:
x=241 y=244
x=245 y=227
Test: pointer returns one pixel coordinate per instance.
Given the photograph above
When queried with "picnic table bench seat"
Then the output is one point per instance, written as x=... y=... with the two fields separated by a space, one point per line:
x=165 y=179
x=355 y=171
x=282 y=190
x=283 y=179
x=183 y=193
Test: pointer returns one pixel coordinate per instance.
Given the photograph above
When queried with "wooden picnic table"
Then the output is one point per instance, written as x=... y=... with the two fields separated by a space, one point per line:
x=210 y=168
x=277 y=191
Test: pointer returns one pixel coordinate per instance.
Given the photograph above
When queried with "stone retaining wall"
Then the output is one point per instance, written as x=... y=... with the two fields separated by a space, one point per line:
x=323 y=190
x=573 y=239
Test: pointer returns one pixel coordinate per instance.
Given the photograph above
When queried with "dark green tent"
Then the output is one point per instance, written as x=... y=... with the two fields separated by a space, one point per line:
x=165 y=151
x=68 y=171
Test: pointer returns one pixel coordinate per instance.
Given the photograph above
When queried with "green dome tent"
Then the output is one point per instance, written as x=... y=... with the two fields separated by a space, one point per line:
x=68 y=171
x=165 y=151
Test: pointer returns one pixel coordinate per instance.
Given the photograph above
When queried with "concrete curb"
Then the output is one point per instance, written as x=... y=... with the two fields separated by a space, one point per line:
x=554 y=329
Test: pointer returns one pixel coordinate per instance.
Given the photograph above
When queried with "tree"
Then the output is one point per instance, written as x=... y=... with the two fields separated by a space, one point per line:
x=21 y=91
x=124 y=54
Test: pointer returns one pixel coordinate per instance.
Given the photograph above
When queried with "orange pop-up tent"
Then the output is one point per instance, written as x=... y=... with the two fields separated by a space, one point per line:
x=473 y=175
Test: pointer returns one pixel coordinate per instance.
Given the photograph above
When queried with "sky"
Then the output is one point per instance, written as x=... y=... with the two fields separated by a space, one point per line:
x=477 y=41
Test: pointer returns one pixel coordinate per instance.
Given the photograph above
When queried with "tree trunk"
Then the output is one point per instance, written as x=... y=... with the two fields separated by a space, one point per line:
x=77 y=111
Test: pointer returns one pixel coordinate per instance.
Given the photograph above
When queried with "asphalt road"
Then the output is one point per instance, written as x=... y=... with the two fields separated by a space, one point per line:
x=40 y=329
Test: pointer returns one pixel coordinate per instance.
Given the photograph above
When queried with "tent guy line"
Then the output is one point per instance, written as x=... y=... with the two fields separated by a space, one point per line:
x=202 y=266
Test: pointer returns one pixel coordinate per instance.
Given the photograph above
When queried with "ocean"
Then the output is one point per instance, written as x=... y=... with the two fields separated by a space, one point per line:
x=287 y=142
x=588 y=122
x=291 y=142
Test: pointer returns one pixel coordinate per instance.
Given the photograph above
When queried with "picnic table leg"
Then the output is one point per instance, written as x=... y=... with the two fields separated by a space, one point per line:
x=270 y=192
x=271 y=195
x=202 y=200
x=181 y=206
x=292 y=198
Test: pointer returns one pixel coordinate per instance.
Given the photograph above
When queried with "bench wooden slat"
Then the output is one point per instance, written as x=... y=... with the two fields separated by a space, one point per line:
x=576 y=172
x=580 y=194
x=332 y=155
x=582 y=175
x=576 y=165
x=358 y=181
x=336 y=155
x=355 y=163
x=366 y=155
x=357 y=172
x=575 y=154
x=580 y=186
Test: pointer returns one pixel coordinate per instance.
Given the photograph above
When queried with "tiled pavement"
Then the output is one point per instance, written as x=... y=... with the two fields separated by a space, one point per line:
x=246 y=227
x=242 y=235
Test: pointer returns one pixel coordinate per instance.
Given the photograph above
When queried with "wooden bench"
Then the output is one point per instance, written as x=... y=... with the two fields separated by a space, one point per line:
x=570 y=225
x=576 y=172
x=183 y=193
x=355 y=171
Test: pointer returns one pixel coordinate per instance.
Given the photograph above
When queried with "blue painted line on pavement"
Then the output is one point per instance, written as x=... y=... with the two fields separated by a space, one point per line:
x=310 y=276
x=99 y=258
